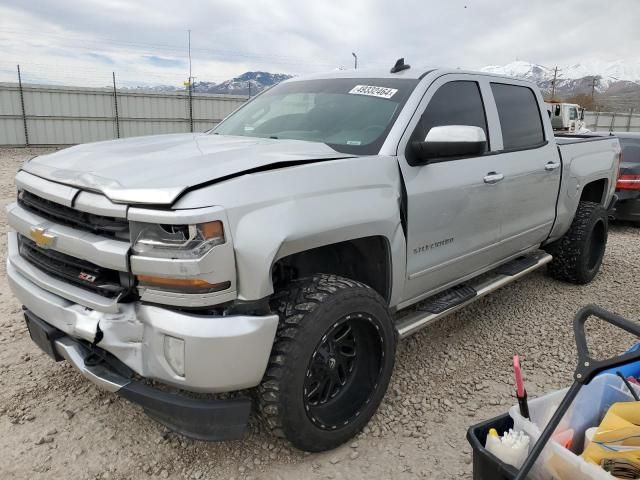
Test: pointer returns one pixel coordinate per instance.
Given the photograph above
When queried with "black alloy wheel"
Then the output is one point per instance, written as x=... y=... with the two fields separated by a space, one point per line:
x=330 y=364
x=343 y=372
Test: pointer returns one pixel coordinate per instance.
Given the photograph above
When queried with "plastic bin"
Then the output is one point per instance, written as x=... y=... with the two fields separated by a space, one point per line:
x=587 y=410
x=485 y=464
x=582 y=405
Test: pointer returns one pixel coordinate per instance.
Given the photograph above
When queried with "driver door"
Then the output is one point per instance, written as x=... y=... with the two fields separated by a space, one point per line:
x=453 y=206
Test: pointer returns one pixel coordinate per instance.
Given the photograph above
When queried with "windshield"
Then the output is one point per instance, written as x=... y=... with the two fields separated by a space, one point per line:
x=351 y=115
x=573 y=113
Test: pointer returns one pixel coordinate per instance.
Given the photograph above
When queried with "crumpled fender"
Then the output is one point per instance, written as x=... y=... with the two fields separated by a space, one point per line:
x=279 y=212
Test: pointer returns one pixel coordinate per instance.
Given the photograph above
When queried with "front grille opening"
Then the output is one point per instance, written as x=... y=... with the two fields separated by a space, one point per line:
x=100 y=280
x=98 y=224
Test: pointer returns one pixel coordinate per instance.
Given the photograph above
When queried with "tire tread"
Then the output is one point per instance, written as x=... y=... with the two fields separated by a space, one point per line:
x=293 y=303
x=567 y=250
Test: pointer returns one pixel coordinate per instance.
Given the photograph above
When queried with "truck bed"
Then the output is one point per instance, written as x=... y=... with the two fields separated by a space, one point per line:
x=567 y=139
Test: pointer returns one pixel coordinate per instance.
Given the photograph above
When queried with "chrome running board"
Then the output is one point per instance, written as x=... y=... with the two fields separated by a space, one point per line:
x=409 y=323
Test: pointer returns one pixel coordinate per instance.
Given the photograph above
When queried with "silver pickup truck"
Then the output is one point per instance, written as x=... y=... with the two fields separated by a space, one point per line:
x=281 y=255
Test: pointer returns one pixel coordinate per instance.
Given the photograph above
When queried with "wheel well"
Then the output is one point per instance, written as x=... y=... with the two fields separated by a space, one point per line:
x=594 y=191
x=366 y=260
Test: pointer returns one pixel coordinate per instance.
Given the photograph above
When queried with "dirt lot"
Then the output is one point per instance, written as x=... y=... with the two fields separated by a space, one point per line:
x=54 y=424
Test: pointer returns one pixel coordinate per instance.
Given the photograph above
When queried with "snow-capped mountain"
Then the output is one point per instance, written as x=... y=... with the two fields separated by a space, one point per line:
x=249 y=83
x=607 y=71
x=617 y=84
x=519 y=69
x=573 y=77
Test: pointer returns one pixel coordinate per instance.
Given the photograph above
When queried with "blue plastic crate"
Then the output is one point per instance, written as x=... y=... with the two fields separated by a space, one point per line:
x=629 y=370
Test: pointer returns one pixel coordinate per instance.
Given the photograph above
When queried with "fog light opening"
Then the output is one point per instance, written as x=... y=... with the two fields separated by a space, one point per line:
x=174 y=354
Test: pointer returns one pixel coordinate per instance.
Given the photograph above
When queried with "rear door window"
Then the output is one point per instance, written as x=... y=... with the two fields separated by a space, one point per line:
x=519 y=116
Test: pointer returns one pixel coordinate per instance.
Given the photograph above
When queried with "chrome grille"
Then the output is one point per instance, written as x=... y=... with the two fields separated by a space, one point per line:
x=104 y=281
x=98 y=224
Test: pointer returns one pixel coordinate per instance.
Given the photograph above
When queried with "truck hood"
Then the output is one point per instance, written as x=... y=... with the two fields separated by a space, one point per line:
x=157 y=169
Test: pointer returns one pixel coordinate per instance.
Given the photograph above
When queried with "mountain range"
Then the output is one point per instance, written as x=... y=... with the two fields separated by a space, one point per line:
x=607 y=86
x=249 y=83
x=612 y=86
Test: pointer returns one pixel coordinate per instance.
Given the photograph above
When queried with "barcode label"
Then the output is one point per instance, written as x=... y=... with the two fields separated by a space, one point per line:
x=373 y=91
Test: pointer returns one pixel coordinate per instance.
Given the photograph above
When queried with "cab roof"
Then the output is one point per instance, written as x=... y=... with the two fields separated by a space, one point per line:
x=415 y=73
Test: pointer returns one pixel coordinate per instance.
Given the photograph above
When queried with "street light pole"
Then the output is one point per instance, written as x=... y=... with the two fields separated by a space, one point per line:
x=553 y=84
x=355 y=61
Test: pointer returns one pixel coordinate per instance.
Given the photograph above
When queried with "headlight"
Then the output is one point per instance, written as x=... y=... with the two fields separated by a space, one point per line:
x=176 y=241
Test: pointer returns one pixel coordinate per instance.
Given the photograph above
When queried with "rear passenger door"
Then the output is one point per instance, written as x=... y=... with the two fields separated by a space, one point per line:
x=530 y=166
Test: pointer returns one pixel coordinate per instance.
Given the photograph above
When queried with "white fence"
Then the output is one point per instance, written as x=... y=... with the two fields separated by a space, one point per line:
x=45 y=115
x=612 y=121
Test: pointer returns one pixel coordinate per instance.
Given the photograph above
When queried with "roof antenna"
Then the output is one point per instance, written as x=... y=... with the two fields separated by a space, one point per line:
x=399 y=66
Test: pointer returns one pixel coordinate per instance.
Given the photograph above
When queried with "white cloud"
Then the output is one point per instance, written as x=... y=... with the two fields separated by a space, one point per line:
x=82 y=41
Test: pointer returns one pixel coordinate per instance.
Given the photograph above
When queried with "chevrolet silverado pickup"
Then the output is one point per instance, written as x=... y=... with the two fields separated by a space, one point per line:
x=279 y=257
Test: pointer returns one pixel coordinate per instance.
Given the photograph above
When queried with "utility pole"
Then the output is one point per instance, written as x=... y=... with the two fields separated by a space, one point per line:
x=355 y=61
x=24 y=113
x=190 y=88
x=115 y=105
x=189 y=55
x=553 y=84
x=593 y=88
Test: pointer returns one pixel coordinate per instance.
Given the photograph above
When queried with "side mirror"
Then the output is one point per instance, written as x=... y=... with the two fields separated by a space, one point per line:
x=582 y=114
x=450 y=141
x=557 y=110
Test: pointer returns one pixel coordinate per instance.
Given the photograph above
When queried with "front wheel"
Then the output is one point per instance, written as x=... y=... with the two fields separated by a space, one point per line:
x=577 y=256
x=331 y=361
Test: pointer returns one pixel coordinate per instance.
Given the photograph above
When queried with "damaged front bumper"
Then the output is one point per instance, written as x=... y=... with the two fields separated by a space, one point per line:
x=199 y=353
x=202 y=419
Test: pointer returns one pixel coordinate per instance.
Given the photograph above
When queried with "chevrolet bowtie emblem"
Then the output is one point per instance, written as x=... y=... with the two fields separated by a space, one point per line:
x=41 y=237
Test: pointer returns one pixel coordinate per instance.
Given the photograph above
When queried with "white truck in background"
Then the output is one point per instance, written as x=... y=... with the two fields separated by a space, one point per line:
x=568 y=117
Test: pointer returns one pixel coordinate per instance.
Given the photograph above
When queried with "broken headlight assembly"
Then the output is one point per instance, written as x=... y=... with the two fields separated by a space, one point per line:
x=177 y=242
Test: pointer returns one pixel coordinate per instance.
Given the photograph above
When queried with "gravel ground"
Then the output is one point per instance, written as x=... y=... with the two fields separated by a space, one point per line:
x=54 y=424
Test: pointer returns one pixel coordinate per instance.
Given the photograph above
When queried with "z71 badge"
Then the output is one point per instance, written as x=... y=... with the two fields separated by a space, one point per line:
x=87 y=277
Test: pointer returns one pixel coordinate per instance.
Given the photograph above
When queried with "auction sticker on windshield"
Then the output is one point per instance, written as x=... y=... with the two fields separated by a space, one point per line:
x=373 y=91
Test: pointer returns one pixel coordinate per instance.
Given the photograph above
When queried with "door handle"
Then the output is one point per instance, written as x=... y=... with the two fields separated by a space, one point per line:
x=550 y=167
x=493 y=177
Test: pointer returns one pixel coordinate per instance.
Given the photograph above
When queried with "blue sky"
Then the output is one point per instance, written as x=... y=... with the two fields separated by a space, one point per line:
x=145 y=42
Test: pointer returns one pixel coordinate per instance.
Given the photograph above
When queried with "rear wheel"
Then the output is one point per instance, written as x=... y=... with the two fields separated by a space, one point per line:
x=331 y=361
x=578 y=255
